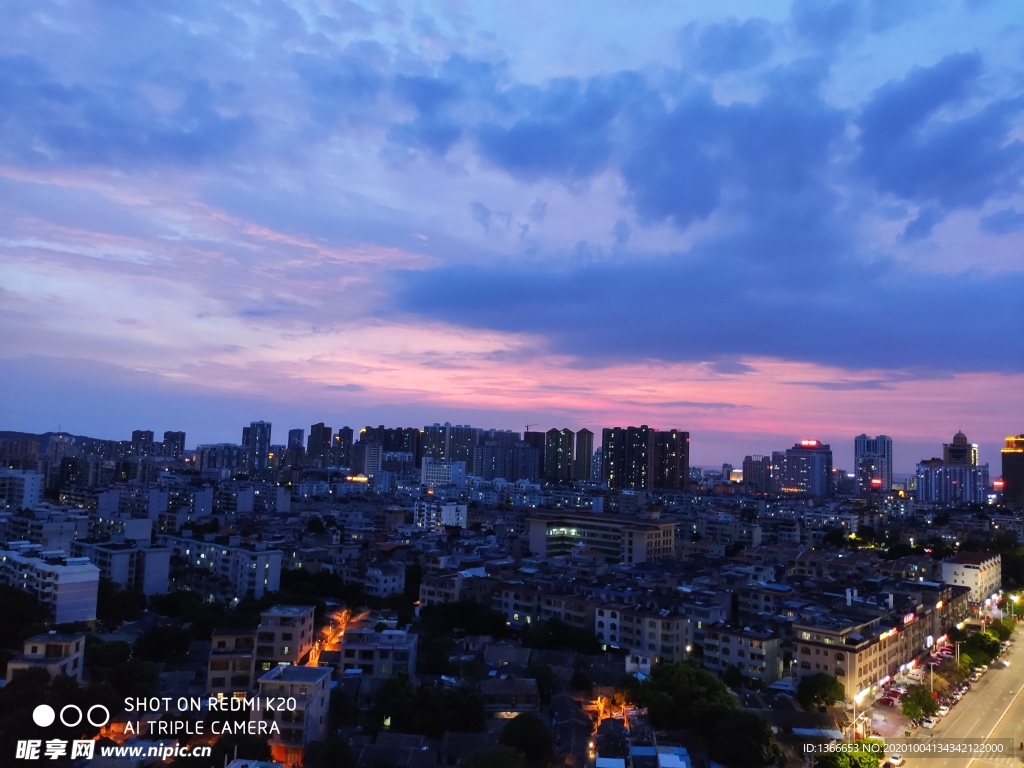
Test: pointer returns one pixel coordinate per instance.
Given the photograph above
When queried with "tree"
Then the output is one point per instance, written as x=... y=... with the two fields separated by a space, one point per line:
x=499 y=757
x=556 y=635
x=733 y=677
x=163 y=644
x=580 y=680
x=530 y=737
x=253 y=748
x=545 y=680
x=342 y=710
x=820 y=689
x=118 y=605
x=918 y=702
x=744 y=739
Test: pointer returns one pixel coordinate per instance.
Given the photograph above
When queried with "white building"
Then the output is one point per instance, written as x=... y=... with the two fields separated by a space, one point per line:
x=20 y=488
x=66 y=585
x=384 y=580
x=145 y=569
x=58 y=654
x=982 y=572
x=308 y=722
x=246 y=567
x=433 y=515
x=438 y=472
x=378 y=655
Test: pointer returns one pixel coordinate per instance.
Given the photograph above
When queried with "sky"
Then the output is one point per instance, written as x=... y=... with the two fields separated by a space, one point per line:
x=756 y=221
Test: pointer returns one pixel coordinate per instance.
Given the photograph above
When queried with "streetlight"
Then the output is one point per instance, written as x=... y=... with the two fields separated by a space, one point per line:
x=856 y=700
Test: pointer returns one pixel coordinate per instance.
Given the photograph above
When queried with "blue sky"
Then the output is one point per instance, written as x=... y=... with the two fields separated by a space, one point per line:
x=756 y=221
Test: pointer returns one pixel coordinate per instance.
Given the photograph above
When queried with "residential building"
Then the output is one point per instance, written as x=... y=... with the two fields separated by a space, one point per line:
x=584 y=455
x=20 y=488
x=231 y=665
x=439 y=472
x=671 y=460
x=57 y=653
x=256 y=442
x=174 y=445
x=559 y=456
x=308 y=722
x=378 y=654
x=646 y=633
x=981 y=572
x=384 y=579
x=318 y=449
x=67 y=586
x=239 y=568
x=1012 y=456
x=872 y=464
x=618 y=537
x=134 y=567
x=939 y=482
x=757 y=654
x=284 y=636
x=808 y=469
x=757 y=473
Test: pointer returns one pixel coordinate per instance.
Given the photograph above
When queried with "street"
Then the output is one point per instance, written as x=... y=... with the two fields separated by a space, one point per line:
x=993 y=708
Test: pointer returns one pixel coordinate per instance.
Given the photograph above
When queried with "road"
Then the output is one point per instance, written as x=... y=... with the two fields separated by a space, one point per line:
x=992 y=709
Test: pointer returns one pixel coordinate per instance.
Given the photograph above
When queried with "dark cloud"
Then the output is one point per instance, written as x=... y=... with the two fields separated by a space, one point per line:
x=733 y=45
x=912 y=146
x=826 y=22
x=1003 y=222
x=47 y=121
x=920 y=228
x=565 y=131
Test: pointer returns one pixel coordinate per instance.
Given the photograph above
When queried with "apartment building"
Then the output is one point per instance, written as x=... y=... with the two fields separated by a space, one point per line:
x=378 y=655
x=145 y=569
x=384 y=579
x=240 y=568
x=618 y=537
x=981 y=572
x=644 y=632
x=757 y=653
x=58 y=654
x=232 y=662
x=66 y=585
x=308 y=722
x=284 y=636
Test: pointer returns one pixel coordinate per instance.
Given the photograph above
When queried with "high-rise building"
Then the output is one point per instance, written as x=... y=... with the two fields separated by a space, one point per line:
x=808 y=469
x=258 y=447
x=318 y=449
x=757 y=473
x=671 y=460
x=537 y=441
x=960 y=452
x=872 y=464
x=584 y=454
x=629 y=456
x=296 y=438
x=174 y=445
x=341 y=448
x=559 y=458
x=142 y=442
x=1013 y=470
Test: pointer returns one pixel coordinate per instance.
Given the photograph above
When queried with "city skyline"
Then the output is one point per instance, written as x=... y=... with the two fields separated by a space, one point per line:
x=758 y=224
x=843 y=448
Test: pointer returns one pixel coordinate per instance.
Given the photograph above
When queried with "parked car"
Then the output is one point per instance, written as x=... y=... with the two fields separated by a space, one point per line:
x=896 y=760
x=929 y=722
x=944 y=710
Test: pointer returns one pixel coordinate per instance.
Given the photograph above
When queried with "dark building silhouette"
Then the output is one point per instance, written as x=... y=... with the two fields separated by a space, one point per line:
x=174 y=445
x=584 y=455
x=1013 y=470
x=559 y=455
x=318 y=449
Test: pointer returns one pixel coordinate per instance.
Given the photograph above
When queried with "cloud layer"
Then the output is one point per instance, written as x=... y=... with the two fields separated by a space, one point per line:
x=439 y=210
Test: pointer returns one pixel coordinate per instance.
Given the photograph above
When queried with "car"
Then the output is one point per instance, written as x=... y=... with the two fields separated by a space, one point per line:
x=929 y=722
x=944 y=710
x=975 y=677
x=896 y=760
x=886 y=701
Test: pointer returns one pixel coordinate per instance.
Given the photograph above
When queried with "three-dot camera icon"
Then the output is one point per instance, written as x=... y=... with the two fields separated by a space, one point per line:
x=71 y=716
